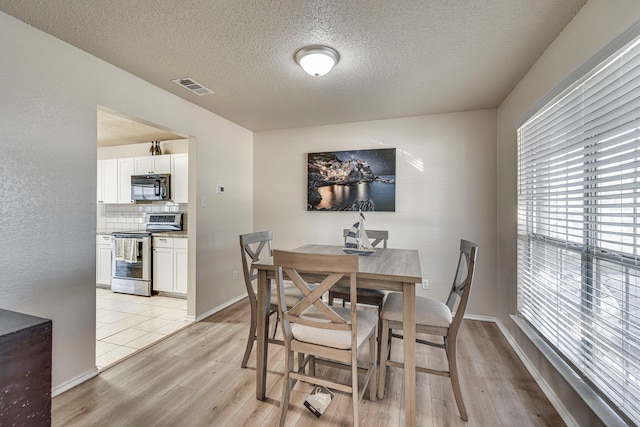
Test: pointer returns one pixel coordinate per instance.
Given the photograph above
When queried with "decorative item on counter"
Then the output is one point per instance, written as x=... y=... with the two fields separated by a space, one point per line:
x=158 y=150
x=152 y=150
x=357 y=241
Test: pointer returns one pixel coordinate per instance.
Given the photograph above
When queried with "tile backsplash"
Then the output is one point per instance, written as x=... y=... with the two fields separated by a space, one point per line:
x=130 y=217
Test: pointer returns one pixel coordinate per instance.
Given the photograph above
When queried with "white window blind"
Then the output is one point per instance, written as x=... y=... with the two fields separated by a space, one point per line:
x=579 y=228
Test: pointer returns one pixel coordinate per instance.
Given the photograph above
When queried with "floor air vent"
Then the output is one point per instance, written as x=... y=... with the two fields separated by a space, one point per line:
x=193 y=86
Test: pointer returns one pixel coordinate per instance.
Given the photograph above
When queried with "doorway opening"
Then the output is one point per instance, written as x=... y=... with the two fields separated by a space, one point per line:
x=126 y=323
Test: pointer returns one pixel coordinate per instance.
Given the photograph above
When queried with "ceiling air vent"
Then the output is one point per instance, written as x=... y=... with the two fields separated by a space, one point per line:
x=193 y=86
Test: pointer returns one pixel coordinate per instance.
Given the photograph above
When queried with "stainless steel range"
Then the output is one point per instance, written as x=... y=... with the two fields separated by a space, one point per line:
x=157 y=222
x=131 y=254
x=131 y=263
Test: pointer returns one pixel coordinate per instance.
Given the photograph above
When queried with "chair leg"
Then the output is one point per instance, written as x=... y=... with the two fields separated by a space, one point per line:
x=355 y=395
x=330 y=298
x=384 y=351
x=380 y=303
x=455 y=382
x=252 y=336
x=287 y=385
x=373 y=362
x=312 y=366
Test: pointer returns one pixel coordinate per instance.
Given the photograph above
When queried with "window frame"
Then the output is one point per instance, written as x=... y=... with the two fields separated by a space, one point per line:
x=591 y=255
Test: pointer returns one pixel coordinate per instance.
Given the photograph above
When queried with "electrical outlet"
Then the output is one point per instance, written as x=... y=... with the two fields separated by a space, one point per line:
x=425 y=284
x=235 y=275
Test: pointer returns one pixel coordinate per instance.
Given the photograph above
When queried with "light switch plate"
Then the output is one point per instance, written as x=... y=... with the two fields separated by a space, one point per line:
x=220 y=189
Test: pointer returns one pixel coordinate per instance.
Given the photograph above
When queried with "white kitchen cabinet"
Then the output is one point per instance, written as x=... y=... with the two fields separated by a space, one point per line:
x=125 y=170
x=107 y=189
x=180 y=178
x=143 y=165
x=103 y=259
x=163 y=264
x=114 y=176
x=170 y=265
x=99 y=182
x=180 y=265
x=162 y=164
x=152 y=164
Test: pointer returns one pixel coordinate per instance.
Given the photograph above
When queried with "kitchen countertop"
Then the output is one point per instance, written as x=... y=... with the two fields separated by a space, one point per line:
x=178 y=234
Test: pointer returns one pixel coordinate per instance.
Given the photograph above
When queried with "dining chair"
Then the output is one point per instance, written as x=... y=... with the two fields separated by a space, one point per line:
x=365 y=296
x=434 y=318
x=323 y=332
x=253 y=247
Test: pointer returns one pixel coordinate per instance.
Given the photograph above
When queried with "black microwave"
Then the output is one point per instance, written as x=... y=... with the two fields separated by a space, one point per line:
x=151 y=187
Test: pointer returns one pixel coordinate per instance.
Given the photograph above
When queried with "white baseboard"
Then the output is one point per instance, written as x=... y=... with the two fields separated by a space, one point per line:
x=95 y=371
x=480 y=318
x=74 y=382
x=546 y=390
x=220 y=307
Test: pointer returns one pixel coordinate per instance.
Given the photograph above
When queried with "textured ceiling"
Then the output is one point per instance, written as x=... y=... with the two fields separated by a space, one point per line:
x=397 y=58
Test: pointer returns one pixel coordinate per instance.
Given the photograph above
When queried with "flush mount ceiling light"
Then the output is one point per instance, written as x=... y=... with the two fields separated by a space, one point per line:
x=317 y=60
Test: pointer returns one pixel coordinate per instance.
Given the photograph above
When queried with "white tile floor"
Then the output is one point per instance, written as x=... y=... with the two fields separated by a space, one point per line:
x=128 y=323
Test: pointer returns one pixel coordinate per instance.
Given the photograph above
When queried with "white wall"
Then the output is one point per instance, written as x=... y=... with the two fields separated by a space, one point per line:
x=175 y=146
x=594 y=27
x=49 y=93
x=445 y=190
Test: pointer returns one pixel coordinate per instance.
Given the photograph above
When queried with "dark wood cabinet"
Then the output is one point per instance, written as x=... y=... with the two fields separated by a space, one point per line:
x=25 y=369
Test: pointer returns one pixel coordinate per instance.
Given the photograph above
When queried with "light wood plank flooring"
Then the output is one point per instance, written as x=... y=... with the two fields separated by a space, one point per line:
x=193 y=378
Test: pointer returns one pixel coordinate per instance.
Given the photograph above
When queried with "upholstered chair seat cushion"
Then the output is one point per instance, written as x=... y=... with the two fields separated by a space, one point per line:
x=366 y=321
x=428 y=311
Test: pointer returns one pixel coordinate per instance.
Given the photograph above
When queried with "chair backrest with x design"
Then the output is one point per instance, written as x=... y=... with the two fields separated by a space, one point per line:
x=253 y=247
x=323 y=271
x=461 y=287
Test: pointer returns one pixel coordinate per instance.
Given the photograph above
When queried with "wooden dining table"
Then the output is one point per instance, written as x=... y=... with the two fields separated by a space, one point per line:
x=387 y=269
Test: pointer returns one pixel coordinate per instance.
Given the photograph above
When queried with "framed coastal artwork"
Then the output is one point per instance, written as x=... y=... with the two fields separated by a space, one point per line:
x=352 y=180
